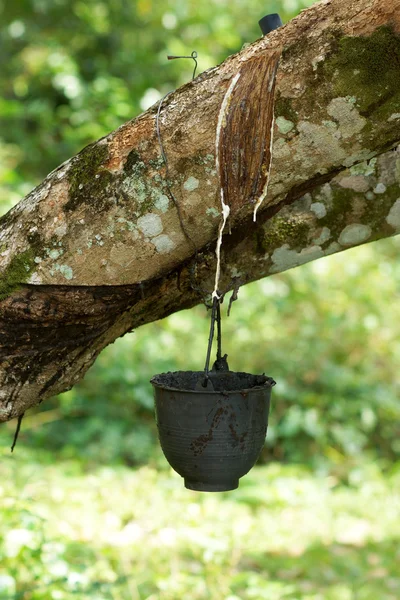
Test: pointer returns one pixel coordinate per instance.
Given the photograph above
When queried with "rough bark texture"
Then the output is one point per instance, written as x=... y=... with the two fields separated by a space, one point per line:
x=98 y=248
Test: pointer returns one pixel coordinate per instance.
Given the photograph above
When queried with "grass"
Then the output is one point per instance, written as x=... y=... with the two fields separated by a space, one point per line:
x=70 y=533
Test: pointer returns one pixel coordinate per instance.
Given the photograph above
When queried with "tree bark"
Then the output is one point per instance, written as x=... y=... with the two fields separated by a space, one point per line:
x=101 y=247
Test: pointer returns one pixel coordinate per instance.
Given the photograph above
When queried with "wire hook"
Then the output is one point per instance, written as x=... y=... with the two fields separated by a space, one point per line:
x=193 y=56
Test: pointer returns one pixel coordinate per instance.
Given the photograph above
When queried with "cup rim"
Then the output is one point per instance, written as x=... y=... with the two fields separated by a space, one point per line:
x=268 y=384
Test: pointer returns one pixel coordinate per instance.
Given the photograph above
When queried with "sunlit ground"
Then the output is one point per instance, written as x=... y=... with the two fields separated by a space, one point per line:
x=116 y=533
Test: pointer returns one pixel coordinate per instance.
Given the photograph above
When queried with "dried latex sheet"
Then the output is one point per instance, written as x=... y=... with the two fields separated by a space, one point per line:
x=244 y=140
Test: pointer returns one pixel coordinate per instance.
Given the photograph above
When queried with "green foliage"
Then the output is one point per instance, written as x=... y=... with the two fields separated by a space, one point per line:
x=122 y=534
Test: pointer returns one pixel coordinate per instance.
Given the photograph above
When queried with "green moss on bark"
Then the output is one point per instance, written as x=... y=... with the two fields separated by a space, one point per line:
x=17 y=272
x=340 y=211
x=378 y=209
x=366 y=68
x=132 y=160
x=369 y=69
x=284 y=108
x=88 y=179
x=284 y=231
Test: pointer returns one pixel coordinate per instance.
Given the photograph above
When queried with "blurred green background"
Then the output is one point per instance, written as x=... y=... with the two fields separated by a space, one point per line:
x=88 y=506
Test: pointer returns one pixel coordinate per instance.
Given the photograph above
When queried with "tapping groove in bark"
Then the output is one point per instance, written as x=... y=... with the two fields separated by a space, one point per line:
x=245 y=143
x=97 y=249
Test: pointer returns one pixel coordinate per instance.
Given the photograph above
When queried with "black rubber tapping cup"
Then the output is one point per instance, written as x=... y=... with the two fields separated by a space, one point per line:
x=212 y=437
x=269 y=23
